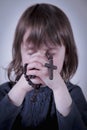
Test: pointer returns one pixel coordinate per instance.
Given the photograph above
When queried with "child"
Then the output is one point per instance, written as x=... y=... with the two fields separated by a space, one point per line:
x=43 y=31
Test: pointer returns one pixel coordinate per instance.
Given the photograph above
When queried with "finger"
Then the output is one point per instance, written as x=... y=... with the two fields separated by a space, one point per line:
x=35 y=65
x=41 y=59
x=41 y=53
x=34 y=72
x=43 y=73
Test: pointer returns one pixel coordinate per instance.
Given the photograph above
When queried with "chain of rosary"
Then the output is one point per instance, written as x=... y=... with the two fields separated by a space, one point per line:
x=36 y=87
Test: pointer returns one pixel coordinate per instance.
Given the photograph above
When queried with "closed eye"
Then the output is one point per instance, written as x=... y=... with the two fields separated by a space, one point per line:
x=52 y=53
x=30 y=52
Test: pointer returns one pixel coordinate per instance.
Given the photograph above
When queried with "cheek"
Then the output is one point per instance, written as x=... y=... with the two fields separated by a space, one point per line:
x=25 y=59
x=59 y=63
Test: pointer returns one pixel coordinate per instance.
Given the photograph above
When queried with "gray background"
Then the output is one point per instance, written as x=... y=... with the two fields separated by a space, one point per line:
x=76 y=10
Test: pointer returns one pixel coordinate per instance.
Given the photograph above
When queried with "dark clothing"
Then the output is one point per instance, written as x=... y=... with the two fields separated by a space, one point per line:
x=42 y=113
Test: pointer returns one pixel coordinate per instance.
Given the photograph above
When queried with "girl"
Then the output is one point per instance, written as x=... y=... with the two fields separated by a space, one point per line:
x=42 y=31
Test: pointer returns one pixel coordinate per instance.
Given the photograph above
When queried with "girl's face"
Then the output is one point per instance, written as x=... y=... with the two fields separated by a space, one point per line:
x=29 y=51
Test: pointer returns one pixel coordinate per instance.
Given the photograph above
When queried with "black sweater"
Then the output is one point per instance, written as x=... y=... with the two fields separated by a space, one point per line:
x=42 y=113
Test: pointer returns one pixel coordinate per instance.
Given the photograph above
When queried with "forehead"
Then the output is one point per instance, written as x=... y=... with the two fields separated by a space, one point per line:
x=32 y=43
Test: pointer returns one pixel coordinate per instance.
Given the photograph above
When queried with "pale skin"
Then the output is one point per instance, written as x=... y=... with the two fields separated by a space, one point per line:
x=37 y=59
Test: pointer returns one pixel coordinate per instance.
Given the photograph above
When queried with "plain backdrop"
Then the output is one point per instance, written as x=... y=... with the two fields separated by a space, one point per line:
x=76 y=10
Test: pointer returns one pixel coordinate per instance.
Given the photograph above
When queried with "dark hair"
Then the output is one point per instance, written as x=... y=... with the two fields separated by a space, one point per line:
x=47 y=23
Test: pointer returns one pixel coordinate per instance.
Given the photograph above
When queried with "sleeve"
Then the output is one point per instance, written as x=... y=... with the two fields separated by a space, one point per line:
x=8 y=112
x=77 y=118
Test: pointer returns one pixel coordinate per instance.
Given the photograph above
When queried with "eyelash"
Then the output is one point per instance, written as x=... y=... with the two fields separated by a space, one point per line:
x=50 y=53
x=30 y=53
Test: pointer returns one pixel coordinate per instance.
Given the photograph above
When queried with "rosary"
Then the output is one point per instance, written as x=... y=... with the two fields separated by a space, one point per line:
x=36 y=87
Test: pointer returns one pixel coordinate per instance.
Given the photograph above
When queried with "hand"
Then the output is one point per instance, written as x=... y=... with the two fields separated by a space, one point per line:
x=36 y=66
x=38 y=61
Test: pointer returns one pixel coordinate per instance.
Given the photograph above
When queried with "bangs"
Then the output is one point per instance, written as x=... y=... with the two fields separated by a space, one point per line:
x=39 y=37
x=42 y=28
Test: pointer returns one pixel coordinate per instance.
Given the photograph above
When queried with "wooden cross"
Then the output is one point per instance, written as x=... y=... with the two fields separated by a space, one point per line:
x=50 y=67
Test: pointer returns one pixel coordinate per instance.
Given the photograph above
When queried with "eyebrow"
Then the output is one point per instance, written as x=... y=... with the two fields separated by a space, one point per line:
x=28 y=46
x=32 y=47
x=52 y=48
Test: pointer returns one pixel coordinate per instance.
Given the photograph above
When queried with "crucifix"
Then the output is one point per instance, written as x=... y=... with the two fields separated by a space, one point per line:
x=50 y=67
